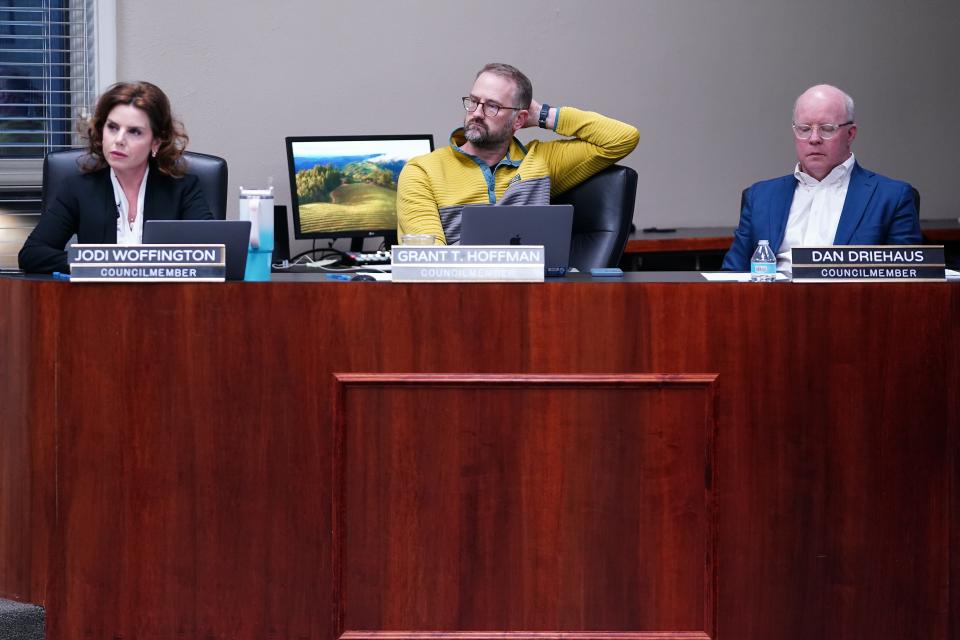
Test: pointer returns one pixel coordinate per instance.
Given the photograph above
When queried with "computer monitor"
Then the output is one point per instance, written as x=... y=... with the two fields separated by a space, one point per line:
x=346 y=186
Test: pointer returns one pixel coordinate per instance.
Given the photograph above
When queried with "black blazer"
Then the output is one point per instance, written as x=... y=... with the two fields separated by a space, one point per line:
x=84 y=204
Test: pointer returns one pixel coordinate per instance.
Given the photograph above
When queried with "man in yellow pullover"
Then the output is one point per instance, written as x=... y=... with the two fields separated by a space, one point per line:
x=485 y=164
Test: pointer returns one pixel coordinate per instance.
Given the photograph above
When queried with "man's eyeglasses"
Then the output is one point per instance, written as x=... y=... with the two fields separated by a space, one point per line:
x=827 y=131
x=490 y=109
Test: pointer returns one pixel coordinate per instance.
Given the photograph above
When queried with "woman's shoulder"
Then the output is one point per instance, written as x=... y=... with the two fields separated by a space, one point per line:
x=93 y=175
x=79 y=181
x=174 y=183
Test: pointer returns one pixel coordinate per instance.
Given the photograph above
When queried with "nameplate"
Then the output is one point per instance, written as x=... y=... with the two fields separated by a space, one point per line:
x=510 y=263
x=147 y=263
x=881 y=263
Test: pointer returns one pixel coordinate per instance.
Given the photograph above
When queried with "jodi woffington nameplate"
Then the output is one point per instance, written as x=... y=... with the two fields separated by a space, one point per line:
x=509 y=263
x=879 y=263
x=147 y=263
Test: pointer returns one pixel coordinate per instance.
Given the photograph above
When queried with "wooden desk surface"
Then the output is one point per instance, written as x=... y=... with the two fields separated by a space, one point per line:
x=719 y=238
x=584 y=460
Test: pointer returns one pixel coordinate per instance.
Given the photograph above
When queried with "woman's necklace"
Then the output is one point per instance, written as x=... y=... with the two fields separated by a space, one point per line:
x=131 y=204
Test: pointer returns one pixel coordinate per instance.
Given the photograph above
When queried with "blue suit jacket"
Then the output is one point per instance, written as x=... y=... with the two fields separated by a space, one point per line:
x=877 y=210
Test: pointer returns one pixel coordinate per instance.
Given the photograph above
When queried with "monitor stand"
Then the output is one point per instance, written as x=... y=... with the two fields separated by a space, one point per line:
x=389 y=239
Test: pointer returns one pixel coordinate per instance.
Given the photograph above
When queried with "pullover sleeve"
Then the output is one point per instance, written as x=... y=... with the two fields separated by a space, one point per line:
x=594 y=143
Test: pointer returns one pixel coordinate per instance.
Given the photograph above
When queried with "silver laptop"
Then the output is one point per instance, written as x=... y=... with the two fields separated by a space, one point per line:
x=550 y=225
x=234 y=235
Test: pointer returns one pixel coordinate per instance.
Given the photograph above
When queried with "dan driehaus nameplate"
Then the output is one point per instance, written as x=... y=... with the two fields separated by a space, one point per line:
x=509 y=263
x=881 y=263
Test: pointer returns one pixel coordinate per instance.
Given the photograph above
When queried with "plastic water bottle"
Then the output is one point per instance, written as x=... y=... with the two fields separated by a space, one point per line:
x=763 y=264
x=256 y=205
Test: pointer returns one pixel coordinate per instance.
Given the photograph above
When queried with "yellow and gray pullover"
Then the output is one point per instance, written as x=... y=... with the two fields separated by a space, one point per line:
x=434 y=188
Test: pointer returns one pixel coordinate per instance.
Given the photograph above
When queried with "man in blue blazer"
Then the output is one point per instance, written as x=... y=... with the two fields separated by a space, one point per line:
x=829 y=199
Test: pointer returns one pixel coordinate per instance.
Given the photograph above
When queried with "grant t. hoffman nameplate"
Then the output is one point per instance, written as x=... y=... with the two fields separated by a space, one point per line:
x=147 y=263
x=510 y=263
x=885 y=263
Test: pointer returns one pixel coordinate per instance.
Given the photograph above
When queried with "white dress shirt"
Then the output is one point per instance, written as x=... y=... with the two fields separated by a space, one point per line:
x=129 y=233
x=815 y=211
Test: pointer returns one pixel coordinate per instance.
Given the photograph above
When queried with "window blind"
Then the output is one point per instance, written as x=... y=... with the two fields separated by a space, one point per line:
x=46 y=74
x=47 y=86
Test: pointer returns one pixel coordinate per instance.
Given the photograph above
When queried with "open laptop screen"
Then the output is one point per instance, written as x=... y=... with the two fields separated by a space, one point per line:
x=234 y=235
x=547 y=225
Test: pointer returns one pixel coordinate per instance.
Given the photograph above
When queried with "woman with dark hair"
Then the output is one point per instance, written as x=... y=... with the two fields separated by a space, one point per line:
x=133 y=171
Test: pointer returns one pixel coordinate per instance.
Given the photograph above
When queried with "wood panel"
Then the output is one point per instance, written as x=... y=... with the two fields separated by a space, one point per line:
x=525 y=503
x=184 y=472
x=14 y=448
x=27 y=441
x=951 y=374
x=167 y=451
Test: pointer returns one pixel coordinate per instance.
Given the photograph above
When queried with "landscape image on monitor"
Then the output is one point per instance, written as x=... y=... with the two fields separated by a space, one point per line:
x=350 y=185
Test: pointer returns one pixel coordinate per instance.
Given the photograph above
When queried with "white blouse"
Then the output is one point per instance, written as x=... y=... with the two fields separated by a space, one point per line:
x=129 y=233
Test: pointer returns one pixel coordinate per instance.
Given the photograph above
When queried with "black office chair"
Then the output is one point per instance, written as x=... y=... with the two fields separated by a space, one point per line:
x=211 y=171
x=602 y=213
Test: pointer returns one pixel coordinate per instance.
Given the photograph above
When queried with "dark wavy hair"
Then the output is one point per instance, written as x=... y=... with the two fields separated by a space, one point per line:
x=151 y=100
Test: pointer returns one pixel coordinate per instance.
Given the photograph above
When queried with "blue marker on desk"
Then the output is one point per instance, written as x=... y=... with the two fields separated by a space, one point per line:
x=339 y=276
x=60 y=276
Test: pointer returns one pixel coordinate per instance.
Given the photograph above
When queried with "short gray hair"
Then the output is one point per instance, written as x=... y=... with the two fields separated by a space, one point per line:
x=848 y=103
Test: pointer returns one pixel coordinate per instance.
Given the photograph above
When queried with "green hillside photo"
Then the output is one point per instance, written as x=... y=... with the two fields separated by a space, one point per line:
x=352 y=206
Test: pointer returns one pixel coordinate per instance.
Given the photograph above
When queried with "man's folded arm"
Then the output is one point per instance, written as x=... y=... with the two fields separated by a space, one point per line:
x=595 y=142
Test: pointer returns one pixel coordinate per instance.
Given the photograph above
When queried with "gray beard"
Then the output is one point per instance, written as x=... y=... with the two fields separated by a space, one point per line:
x=480 y=137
